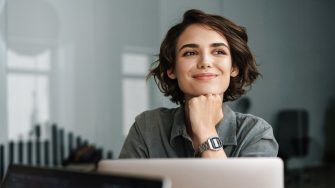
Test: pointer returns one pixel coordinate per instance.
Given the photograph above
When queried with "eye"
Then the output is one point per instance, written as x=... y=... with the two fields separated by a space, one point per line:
x=189 y=53
x=220 y=52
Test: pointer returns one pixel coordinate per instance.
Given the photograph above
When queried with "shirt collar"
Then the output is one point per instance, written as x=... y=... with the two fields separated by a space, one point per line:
x=226 y=128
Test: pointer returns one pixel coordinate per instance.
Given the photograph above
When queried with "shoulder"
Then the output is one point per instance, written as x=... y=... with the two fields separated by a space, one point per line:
x=251 y=120
x=252 y=124
x=153 y=119
x=155 y=114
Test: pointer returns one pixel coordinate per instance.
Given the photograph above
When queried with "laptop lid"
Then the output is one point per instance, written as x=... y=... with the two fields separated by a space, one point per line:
x=200 y=173
x=33 y=177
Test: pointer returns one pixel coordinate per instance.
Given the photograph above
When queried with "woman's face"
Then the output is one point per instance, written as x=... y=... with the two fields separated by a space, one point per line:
x=203 y=62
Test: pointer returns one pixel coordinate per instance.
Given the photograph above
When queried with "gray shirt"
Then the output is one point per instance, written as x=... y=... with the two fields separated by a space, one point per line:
x=161 y=133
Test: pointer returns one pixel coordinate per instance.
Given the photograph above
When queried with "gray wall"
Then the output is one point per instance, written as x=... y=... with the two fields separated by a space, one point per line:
x=293 y=43
x=118 y=25
x=3 y=104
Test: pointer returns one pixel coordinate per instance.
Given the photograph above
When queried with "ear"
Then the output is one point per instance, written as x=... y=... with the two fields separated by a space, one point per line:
x=234 y=71
x=171 y=74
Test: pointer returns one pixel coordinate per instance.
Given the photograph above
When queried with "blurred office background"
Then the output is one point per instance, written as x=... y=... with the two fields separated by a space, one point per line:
x=81 y=64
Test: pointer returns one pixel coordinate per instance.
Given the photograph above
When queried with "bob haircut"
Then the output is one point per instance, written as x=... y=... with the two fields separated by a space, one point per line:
x=237 y=38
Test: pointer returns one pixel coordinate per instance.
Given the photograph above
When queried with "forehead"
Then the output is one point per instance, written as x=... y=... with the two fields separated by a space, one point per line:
x=200 y=34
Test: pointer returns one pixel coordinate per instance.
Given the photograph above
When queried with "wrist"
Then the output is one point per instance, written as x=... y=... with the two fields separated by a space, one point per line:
x=212 y=144
x=203 y=135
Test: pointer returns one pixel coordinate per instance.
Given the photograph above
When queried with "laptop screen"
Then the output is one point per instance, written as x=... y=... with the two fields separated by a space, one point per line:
x=202 y=173
x=32 y=177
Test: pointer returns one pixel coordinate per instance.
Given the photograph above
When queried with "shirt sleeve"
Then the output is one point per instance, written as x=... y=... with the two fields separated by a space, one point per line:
x=261 y=142
x=134 y=145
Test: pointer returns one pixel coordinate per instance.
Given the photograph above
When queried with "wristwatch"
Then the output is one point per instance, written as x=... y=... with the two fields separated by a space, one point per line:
x=212 y=143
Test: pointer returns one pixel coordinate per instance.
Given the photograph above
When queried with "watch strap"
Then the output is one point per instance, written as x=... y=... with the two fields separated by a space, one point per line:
x=212 y=143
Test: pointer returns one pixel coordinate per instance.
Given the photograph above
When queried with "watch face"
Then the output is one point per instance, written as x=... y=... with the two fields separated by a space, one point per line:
x=215 y=143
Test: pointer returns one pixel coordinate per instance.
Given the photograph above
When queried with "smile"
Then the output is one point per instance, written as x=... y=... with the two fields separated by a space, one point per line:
x=204 y=76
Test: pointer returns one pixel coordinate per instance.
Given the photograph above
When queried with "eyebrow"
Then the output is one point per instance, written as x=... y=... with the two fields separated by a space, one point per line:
x=192 y=45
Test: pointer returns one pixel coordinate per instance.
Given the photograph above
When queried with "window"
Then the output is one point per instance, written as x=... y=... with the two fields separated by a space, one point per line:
x=28 y=86
x=134 y=87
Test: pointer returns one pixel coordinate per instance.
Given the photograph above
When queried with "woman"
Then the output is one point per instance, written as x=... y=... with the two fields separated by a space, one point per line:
x=204 y=61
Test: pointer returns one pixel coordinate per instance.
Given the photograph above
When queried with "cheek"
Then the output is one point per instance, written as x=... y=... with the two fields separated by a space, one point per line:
x=225 y=68
x=182 y=68
x=181 y=72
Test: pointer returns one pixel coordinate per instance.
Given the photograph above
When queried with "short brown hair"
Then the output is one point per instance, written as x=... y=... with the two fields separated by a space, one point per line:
x=237 y=39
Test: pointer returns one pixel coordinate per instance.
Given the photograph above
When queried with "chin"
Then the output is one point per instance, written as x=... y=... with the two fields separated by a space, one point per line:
x=220 y=92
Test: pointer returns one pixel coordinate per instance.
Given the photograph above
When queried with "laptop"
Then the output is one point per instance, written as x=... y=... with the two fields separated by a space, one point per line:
x=202 y=173
x=33 y=177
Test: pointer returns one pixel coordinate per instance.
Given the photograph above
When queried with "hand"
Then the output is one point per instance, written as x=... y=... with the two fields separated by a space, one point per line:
x=204 y=112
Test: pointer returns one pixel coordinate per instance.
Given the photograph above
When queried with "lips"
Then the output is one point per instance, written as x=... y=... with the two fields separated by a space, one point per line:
x=204 y=76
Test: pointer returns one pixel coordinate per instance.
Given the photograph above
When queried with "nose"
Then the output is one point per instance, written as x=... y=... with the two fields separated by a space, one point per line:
x=204 y=62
